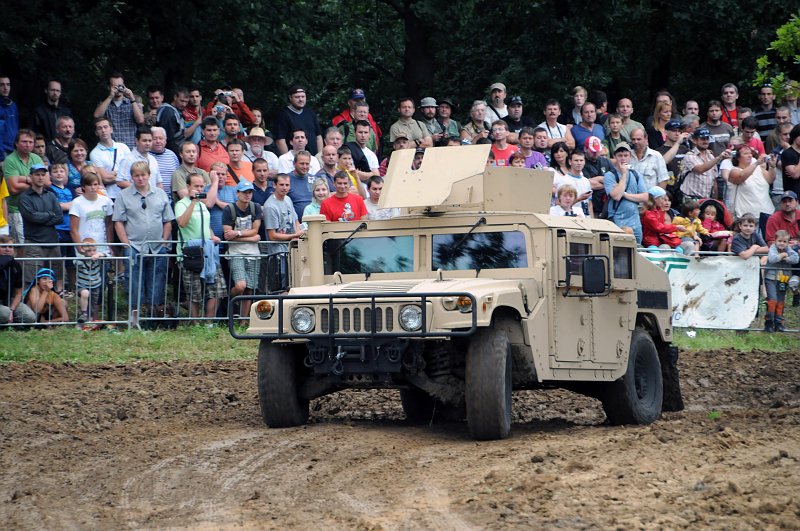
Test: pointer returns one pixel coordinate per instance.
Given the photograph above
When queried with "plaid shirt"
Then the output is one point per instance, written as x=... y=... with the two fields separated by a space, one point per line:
x=123 y=122
x=698 y=184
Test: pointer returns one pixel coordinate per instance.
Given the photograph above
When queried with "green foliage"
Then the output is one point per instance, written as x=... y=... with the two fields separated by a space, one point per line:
x=714 y=415
x=781 y=58
x=390 y=48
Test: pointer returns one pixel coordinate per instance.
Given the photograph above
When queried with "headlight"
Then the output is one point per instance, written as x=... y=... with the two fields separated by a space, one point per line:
x=461 y=303
x=303 y=320
x=411 y=318
x=265 y=309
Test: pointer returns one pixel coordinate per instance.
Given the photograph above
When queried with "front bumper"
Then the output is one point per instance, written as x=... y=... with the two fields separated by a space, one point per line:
x=364 y=317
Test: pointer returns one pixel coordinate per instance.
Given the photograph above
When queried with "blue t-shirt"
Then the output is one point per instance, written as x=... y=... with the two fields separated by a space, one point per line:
x=228 y=195
x=300 y=193
x=64 y=195
x=625 y=213
x=580 y=133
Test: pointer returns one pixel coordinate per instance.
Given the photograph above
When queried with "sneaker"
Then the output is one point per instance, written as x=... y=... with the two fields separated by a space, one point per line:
x=67 y=295
x=82 y=318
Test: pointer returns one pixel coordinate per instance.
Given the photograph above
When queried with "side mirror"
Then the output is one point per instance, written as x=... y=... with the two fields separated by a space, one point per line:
x=594 y=276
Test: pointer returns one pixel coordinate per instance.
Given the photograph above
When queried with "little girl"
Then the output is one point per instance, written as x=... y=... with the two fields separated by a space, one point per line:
x=320 y=193
x=690 y=226
x=45 y=303
x=565 y=202
x=780 y=260
x=719 y=234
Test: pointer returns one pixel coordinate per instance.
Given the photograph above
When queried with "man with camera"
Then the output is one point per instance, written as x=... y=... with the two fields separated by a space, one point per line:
x=121 y=108
x=193 y=218
x=229 y=101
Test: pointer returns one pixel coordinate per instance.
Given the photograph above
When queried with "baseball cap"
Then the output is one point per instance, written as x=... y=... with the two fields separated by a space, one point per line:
x=657 y=191
x=497 y=86
x=395 y=136
x=357 y=94
x=621 y=146
x=244 y=186
x=427 y=102
x=593 y=144
x=38 y=167
x=702 y=133
x=515 y=100
x=673 y=125
x=294 y=89
x=789 y=193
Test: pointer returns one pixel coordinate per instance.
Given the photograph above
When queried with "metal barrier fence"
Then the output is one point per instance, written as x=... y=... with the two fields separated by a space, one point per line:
x=149 y=290
x=137 y=290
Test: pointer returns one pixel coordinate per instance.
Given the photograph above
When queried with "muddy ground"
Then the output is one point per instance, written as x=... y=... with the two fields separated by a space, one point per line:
x=182 y=446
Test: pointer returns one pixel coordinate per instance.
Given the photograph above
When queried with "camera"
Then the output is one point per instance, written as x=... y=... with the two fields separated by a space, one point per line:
x=219 y=108
x=734 y=153
x=201 y=195
x=120 y=88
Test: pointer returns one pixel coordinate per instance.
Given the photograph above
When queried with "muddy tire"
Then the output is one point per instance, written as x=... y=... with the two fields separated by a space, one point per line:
x=636 y=397
x=417 y=405
x=281 y=406
x=488 y=385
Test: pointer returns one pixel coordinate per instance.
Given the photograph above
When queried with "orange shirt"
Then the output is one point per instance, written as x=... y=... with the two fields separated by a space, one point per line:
x=244 y=171
x=209 y=156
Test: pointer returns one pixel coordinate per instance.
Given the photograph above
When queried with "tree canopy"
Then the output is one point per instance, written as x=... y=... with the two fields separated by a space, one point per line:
x=391 y=48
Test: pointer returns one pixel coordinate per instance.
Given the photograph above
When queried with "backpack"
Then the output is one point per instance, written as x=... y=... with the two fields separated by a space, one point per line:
x=232 y=209
x=607 y=213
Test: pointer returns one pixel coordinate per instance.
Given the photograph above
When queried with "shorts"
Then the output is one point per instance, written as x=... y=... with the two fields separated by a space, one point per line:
x=245 y=268
x=15 y=227
x=94 y=293
x=196 y=288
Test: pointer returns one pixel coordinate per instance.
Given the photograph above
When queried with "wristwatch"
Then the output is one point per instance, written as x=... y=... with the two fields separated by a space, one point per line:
x=239 y=233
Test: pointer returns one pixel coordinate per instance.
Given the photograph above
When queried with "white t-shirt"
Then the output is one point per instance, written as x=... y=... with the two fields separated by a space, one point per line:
x=286 y=164
x=110 y=159
x=269 y=156
x=558 y=210
x=559 y=131
x=373 y=212
x=372 y=158
x=92 y=218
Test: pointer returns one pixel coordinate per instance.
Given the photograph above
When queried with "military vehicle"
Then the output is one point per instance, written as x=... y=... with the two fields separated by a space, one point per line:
x=475 y=291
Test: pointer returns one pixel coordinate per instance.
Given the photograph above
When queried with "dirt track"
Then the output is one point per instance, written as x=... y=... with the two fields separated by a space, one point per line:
x=182 y=445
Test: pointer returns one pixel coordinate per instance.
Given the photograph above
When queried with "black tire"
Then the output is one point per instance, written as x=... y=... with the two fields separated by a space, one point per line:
x=281 y=406
x=488 y=385
x=417 y=405
x=636 y=397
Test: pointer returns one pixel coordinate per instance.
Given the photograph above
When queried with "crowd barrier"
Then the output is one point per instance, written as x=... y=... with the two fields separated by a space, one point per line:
x=164 y=298
x=724 y=290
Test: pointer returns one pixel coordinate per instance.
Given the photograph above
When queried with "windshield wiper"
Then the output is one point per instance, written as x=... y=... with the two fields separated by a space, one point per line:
x=459 y=243
x=341 y=246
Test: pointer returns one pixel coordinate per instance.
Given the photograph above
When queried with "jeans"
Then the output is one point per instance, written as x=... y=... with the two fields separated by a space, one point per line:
x=148 y=278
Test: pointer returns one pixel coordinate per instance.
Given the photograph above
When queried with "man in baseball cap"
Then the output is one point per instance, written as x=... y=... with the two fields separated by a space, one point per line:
x=355 y=96
x=496 y=109
x=674 y=148
x=625 y=190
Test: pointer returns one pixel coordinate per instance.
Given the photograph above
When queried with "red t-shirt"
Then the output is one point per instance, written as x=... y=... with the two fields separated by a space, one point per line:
x=333 y=208
x=501 y=156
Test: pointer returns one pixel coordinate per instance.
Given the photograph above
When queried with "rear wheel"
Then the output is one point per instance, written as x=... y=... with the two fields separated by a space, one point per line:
x=488 y=385
x=636 y=397
x=281 y=406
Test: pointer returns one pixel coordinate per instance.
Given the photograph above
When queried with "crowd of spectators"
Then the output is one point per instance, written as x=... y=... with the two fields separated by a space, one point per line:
x=166 y=166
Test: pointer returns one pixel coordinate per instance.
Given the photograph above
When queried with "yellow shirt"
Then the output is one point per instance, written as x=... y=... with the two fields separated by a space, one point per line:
x=3 y=195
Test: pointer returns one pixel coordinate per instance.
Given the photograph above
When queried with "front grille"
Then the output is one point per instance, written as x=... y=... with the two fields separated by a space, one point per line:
x=354 y=320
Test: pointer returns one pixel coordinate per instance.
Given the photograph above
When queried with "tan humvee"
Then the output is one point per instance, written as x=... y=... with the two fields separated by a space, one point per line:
x=473 y=292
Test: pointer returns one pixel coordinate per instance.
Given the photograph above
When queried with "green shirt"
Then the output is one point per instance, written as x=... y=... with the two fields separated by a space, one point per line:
x=14 y=166
x=192 y=230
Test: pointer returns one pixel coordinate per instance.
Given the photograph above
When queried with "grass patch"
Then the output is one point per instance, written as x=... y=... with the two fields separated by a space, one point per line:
x=66 y=344
x=732 y=339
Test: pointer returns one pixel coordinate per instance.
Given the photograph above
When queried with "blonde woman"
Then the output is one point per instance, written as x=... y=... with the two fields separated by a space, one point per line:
x=320 y=191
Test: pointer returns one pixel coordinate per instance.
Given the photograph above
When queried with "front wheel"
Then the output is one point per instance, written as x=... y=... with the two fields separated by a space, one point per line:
x=636 y=397
x=281 y=406
x=488 y=385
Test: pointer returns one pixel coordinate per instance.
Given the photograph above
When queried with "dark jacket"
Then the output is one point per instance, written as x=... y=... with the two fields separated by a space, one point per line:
x=40 y=215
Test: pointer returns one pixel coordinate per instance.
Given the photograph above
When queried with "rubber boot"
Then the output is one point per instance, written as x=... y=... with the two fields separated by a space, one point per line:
x=779 y=318
x=769 y=322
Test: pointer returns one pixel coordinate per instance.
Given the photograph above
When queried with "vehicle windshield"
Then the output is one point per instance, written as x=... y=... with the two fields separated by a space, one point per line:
x=385 y=254
x=479 y=250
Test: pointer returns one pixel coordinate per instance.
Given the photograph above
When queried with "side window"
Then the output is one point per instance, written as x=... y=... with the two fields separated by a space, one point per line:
x=576 y=263
x=623 y=262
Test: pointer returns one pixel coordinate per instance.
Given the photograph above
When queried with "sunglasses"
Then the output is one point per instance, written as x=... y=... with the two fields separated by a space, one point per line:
x=144 y=204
